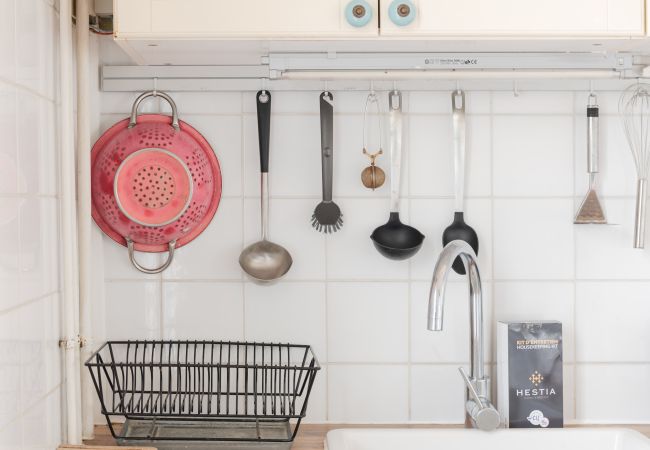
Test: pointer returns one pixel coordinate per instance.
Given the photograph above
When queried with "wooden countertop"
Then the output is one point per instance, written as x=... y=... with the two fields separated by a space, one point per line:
x=311 y=436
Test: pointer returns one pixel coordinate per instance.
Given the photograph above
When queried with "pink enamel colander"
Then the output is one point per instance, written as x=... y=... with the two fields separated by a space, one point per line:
x=156 y=183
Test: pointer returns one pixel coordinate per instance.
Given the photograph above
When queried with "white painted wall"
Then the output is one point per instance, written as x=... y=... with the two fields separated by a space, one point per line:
x=30 y=369
x=364 y=315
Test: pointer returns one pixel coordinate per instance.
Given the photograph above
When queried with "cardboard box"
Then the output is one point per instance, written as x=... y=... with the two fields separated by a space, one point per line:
x=529 y=374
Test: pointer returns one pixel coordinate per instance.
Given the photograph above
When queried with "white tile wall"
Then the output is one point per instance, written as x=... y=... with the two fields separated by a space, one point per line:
x=128 y=318
x=10 y=178
x=437 y=394
x=368 y=393
x=599 y=305
x=199 y=310
x=533 y=239
x=527 y=154
x=30 y=366
x=364 y=315
x=610 y=393
x=267 y=321
x=382 y=308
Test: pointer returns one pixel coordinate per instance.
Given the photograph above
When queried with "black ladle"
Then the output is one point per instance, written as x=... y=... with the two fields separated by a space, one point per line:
x=458 y=228
x=394 y=239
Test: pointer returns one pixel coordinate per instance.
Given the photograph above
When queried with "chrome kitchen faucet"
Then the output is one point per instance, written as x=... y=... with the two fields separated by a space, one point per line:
x=480 y=410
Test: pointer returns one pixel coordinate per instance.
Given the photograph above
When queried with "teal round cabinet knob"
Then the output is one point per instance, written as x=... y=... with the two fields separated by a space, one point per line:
x=358 y=13
x=402 y=12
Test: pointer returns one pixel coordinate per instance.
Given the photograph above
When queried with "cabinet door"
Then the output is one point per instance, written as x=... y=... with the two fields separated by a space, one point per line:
x=526 y=18
x=252 y=19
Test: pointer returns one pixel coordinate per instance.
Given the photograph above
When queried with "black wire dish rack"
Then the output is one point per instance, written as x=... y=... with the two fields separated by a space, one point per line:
x=173 y=393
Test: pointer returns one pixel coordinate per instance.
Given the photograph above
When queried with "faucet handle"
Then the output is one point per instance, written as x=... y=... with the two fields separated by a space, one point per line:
x=483 y=414
x=470 y=387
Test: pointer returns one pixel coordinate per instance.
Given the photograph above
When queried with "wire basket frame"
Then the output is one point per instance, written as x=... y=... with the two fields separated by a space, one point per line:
x=212 y=382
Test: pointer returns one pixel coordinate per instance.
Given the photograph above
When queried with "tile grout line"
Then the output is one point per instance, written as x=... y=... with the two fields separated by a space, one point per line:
x=20 y=279
x=380 y=280
x=242 y=181
x=28 y=302
x=493 y=302
x=17 y=140
x=327 y=334
x=453 y=363
x=376 y=197
x=575 y=269
x=26 y=89
x=160 y=279
x=409 y=384
x=298 y=113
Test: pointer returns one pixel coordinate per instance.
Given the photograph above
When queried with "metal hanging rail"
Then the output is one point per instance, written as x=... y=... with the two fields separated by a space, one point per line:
x=430 y=62
x=284 y=67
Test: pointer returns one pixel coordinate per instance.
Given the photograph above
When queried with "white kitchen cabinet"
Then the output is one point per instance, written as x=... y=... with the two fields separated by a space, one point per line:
x=513 y=18
x=241 y=32
x=241 y=19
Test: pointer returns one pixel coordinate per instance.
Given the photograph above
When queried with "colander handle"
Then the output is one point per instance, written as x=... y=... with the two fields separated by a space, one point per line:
x=131 y=247
x=136 y=105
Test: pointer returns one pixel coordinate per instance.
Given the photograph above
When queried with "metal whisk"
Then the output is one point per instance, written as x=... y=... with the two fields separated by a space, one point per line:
x=634 y=105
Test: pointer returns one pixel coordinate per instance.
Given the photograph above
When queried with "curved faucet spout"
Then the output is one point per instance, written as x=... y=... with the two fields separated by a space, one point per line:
x=436 y=298
x=479 y=408
x=439 y=282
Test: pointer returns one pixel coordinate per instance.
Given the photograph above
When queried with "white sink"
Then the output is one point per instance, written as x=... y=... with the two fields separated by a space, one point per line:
x=464 y=439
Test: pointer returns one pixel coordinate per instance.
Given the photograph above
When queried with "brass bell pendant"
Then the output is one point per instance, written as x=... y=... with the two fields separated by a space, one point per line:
x=372 y=177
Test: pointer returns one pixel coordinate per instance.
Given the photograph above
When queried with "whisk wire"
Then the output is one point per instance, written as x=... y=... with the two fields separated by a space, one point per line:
x=634 y=106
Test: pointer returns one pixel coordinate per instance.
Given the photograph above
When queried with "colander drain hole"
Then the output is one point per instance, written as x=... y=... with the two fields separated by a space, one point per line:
x=153 y=187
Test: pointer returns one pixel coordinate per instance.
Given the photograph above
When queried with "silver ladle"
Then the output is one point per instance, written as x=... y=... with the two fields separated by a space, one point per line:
x=265 y=260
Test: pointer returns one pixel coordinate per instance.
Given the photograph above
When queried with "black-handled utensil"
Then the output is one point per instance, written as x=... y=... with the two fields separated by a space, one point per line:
x=327 y=217
x=265 y=260
x=264 y=128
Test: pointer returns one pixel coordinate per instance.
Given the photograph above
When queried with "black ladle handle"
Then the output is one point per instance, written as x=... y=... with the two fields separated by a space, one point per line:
x=264 y=127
